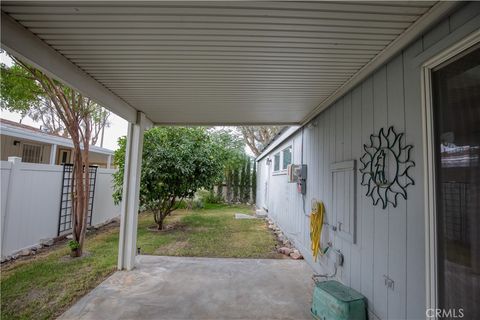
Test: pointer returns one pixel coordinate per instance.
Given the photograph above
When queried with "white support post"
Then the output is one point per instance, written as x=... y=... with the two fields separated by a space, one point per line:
x=53 y=154
x=109 y=161
x=131 y=190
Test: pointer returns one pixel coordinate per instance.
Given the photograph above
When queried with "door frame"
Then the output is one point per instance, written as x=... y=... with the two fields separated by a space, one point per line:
x=429 y=163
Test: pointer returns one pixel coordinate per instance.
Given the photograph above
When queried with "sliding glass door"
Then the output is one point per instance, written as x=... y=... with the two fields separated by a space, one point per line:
x=456 y=111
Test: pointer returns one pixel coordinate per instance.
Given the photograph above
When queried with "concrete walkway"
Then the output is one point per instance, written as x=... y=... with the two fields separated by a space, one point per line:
x=201 y=288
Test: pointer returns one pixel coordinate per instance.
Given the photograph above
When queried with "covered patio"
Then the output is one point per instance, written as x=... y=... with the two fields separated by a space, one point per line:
x=209 y=63
x=213 y=63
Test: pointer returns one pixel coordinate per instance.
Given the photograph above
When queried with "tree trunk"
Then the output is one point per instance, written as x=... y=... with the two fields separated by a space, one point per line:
x=229 y=186
x=160 y=224
x=159 y=217
x=81 y=197
x=236 y=184
x=220 y=190
x=76 y=253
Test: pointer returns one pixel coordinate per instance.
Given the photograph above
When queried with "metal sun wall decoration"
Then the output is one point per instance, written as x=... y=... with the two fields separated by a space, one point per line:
x=385 y=167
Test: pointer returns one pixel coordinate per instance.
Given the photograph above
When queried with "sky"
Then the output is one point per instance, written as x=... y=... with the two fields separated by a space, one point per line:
x=118 y=126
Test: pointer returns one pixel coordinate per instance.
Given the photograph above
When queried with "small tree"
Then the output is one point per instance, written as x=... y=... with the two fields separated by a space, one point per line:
x=23 y=92
x=243 y=175
x=258 y=137
x=235 y=183
x=248 y=173
x=229 y=184
x=254 y=182
x=231 y=150
x=177 y=161
x=28 y=90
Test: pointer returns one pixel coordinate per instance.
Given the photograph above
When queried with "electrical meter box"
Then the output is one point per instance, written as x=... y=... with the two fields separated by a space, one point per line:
x=296 y=172
x=334 y=301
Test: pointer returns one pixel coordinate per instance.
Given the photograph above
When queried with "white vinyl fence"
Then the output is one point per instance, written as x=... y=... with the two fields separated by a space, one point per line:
x=30 y=202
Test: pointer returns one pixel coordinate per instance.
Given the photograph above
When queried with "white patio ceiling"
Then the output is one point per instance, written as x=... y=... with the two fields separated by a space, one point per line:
x=223 y=62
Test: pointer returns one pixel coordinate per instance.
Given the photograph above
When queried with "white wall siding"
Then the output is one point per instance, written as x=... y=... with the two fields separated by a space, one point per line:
x=389 y=242
x=31 y=203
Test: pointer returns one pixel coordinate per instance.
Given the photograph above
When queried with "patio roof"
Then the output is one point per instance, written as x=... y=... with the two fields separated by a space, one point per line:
x=213 y=62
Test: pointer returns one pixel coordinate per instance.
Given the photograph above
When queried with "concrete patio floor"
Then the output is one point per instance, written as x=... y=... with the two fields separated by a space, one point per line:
x=201 y=288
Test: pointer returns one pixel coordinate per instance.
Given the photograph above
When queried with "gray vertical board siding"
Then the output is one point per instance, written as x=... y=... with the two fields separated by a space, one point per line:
x=466 y=13
x=389 y=242
x=368 y=219
x=336 y=188
x=357 y=151
x=380 y=232
x=397 y=222
x=415 y=283
x=331 y=159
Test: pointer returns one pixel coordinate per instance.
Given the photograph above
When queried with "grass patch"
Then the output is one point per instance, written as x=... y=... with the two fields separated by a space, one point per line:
x=47 y=284
x=209 y=232
x=44 y=286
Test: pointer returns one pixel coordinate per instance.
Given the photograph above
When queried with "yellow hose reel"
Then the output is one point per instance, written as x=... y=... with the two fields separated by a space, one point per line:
x=316 y=225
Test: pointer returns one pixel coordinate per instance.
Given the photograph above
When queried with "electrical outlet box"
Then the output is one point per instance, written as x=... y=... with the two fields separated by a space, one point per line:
x=302 y=186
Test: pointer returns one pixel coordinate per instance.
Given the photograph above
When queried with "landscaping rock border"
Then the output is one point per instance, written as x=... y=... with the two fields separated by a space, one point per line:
x=285 y=246
x=44 y=244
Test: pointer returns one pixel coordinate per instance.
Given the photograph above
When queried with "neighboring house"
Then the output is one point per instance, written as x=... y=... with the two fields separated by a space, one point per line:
x=36 y=146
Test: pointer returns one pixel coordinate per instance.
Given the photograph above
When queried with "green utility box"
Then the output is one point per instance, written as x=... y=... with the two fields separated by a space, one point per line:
x=334 y=301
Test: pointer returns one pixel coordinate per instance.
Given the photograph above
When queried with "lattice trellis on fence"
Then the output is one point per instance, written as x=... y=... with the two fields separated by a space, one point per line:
x=65 y=216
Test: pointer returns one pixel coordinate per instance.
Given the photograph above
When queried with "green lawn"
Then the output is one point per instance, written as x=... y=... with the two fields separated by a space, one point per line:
x=44 y=286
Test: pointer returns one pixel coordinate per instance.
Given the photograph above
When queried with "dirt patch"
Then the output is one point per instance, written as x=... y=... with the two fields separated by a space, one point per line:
x=172 y=248
x=69 y=258
x=198 y=229
x=32 y=295
x=168 y=228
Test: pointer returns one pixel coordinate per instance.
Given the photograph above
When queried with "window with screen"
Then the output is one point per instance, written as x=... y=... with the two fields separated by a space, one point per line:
x=276 y=162
x=286 y=157
x=32 y=153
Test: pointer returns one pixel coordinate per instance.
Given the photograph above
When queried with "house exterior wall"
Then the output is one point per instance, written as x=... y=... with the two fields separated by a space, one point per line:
x=98 y=159
x=94 y=158
x=8 y=149
x=389 y=242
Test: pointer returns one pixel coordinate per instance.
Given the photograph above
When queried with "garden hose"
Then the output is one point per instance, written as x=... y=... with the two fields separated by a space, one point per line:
x=316 y=224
